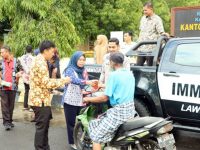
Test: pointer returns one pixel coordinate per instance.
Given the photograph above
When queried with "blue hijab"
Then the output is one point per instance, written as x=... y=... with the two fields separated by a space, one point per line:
x=73 y=64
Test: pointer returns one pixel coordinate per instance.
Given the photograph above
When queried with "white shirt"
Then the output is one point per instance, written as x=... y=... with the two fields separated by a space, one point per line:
x=126 y=47
x=26 y=62
x=106 y=70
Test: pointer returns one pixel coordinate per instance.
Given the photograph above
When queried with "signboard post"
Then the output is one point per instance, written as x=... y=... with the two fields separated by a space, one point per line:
x=185 y=21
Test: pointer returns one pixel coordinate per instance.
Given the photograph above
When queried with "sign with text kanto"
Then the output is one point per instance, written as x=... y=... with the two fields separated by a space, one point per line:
x=185 y=21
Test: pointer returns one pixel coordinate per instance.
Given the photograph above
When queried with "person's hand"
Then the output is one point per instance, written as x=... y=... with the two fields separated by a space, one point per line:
x=19 y=74
x=67 y=80
x=86 y=100
x=165 y=34
x=92 y=82
x=89 y=82
x=95 y=85
x=85 y=92
x=101 y=85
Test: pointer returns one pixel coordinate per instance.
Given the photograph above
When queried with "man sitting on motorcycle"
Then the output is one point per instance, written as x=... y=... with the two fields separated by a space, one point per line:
x=120 y=93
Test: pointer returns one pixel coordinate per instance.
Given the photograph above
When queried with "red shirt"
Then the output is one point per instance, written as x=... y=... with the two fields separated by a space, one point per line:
x=8 y=72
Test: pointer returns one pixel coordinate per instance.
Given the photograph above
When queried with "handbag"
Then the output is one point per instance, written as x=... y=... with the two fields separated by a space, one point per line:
x=73 y=95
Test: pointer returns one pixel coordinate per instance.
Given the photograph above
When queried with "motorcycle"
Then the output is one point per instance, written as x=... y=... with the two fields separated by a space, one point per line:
x=139 y=133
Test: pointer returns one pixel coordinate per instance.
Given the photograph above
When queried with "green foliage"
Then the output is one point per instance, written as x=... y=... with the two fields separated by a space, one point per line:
x=162 y=9
x=182 y=3
x=34 y=21
x=100 y=17
x=1 y=10
x=68 y=22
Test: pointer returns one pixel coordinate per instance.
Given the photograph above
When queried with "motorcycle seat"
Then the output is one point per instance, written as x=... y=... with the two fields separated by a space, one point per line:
x=139 y=122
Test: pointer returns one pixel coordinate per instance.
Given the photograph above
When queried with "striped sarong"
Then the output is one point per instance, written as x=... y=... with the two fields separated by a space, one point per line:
x=103 y=129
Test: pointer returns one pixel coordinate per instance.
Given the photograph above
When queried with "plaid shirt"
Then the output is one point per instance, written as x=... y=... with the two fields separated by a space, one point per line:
x=40 y=83
x=103 y=129
x=150 y=29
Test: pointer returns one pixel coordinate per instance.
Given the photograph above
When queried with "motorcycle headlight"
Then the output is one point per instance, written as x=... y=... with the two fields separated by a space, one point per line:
x=166 y=128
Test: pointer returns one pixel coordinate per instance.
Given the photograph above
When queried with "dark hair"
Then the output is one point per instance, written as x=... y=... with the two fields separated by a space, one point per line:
x=148 y=4
x=56 y=54
x=29 y=49
x=46 y=44
x=6 y=48
x=129 y=33
x=115 y=40
x=117 y=58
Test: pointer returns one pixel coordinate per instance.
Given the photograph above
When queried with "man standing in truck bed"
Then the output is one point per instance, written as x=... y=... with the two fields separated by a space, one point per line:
x=151 y=27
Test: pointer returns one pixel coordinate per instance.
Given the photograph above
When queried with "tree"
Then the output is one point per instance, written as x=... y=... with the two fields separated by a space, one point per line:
x=66 y=22
x=100 y=17
x=33 y=21
x=182 y=3
x=161 y=8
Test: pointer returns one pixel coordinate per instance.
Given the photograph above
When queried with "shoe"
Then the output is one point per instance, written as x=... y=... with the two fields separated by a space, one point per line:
x=73 y=146
x=33 y=120
x=12 y=125
x=31 y=110
x=7 y=127
x=25 y=109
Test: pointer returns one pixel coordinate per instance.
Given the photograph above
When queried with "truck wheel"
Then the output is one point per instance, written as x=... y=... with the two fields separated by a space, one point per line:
x=141 y=108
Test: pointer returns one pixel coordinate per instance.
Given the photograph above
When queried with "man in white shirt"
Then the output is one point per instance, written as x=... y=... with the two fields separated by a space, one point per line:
x=128 y=43
x=26 y=62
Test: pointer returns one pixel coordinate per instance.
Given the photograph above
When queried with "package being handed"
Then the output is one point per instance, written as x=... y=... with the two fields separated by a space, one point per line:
x=7 y=84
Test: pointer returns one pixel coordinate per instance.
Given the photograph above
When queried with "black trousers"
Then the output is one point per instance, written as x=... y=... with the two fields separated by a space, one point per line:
x=141 y=60
x=27 y=88
x=43 y=115
x=7 y=105
x=70 y=115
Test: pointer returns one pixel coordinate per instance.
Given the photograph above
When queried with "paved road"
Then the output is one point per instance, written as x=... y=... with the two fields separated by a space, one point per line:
x=186 y=140
x=22 y=136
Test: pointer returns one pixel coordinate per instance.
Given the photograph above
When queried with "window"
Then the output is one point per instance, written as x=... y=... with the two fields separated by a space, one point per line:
x=188 y=54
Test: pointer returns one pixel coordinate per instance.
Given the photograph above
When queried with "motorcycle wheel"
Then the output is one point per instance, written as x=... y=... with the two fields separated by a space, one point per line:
x=150 y=145
x=81 y=137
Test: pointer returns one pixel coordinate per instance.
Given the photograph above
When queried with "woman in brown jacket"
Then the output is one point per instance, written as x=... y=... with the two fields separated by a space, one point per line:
x=100 y=48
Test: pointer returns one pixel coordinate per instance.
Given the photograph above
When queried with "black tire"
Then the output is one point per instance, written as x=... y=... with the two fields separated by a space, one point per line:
x=141 y=108
x=150 y=145
x=86 y=143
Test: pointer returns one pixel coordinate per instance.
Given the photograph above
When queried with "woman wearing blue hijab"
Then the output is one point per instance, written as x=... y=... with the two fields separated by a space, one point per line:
x=72 y=97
